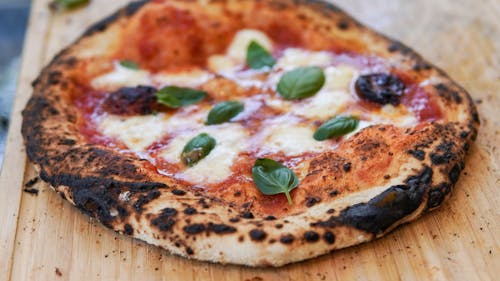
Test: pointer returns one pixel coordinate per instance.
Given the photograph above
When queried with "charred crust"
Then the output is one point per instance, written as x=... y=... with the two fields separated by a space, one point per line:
x=343 y=24
x=448 y=93
x=166 y=219
x=417 y=153
x=145 y=199
x=390 y=206
x=329 y=223
x=311 y=236
x=437 y=195
x=443 y=154
x=396 y=46
x=257 y=234
x=247 y=215
x=454 y=173
x=270 y=218
x=195 y=228
x=220 y=228
x=189 y=251
x=329 y=237
x=190 y=211
x=128 y=229
x=178 y=192
x=311 y=201
x=287 y=239
x=278 y=226
x=127 y=11
x=347 y=167
x=234 y=220
x=334 y=193
x=31 y=182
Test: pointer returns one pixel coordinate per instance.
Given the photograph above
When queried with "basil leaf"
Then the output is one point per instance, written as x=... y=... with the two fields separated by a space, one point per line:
x=224 y=111
x=129 y=64
x=336 y=127
x=197 y=148
x=258 y=57
x=176 y=97
x=272 y=177
x=69 y=4
x=300 y=83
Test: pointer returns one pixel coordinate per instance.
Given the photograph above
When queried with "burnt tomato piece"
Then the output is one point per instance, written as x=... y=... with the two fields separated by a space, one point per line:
x=380 y=88
x=131 y=101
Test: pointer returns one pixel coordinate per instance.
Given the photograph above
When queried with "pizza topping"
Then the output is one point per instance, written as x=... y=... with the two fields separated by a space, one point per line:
x=272 y=177
x=131 y=101
x=176 y=97
x=129 y=64
x=239 y=46
x=224 y=111
x=258 y=57
x=197 y=149
x=301 y=83
x=336 y=127
x=380 y=88
x=121 y=76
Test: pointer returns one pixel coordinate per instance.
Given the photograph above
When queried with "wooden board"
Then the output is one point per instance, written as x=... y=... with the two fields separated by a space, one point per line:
x=44 y=238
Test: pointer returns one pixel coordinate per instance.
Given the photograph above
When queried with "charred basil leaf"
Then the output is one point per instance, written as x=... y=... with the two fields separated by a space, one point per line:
x=68 y=4
x=336 y=127
x=197 y=148
x=380 y=88
x=301 y=83
x=176 y=97
x=129 y=64
x=224 y=111
x=272 y=177
x=258 y=57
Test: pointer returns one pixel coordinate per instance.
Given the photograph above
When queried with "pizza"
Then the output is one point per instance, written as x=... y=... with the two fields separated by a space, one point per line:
x=247 y=132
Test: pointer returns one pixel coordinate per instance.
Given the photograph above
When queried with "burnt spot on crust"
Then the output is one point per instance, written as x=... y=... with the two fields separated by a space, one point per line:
x=334 y=193
x=329 y=223
x=287 y=239
x=454 y=173
x=190 y=211
x=145 y=199
x=178 y=192
x=129 y=10
x=311 y=236
x=396 y=46
x=270 y=218
x=437 y=195
x=421 y=65
x=166 y=220
x=130 y=101
x=195 y=228
x=448 y=93
x=257 y=234
x=347 y=167
x=390 y=206
x=189 y=251
x=443 y=153
x=128 y=229
x=343 y=24
x=417 y=153
x=234 y=220
x=311 y=201
x=247 y=215
x=220 y=228
x=329 y=237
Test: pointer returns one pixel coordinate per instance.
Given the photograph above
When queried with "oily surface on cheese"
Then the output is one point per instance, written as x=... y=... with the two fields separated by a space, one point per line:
x=269 y=126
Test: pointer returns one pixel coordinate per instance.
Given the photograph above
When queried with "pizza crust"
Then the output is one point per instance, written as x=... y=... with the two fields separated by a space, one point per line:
x=408 y=171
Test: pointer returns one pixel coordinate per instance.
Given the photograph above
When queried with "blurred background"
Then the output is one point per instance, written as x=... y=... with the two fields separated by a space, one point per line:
x=13 y=22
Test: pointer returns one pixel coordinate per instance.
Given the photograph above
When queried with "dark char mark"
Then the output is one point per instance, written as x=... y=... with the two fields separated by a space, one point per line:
x=166 y=220
x=385 y=209
x=129 y=10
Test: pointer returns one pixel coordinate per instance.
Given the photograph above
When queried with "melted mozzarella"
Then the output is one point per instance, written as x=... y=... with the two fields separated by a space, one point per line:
x=238 y=48
x=222 y=64
x=323 y=105
x=339 y=78
x=136 y=132
x=231 y=139
x=121 y=77
x=191 y=78
x=293 y=58
x=284 y=135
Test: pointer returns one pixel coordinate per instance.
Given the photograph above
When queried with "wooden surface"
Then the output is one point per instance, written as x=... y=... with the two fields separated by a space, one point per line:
x=44 y=238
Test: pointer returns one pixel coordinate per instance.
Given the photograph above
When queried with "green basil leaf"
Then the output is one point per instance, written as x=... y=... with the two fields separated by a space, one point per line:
x=224 y=111
x=300 y=83
x=258 y=57
x=176 y=97
x=336 y=127
x=129 y=64
x=272 y=177
x=197 y=148
x=69 y=4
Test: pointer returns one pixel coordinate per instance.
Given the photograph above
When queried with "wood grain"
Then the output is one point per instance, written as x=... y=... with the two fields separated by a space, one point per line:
x=44 y=238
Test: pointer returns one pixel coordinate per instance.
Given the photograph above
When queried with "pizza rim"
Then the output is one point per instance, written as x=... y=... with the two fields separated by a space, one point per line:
x=86 y=190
